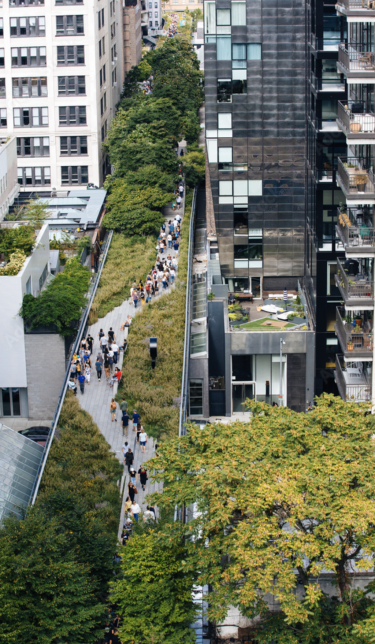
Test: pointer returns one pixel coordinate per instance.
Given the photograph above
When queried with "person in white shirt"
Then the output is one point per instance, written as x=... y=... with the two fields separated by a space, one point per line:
x=135 y=510
x=103 y=342
x=115 y=350
x=143 y=440
x=172 y=273
x=169 y=240
x=148 y=515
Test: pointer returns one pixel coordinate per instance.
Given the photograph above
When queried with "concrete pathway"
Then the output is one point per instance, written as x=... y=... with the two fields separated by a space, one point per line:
x=98 y=395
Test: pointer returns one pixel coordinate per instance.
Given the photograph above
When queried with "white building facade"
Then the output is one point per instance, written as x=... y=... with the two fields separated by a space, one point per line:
x=9 y=187
x=60 y=79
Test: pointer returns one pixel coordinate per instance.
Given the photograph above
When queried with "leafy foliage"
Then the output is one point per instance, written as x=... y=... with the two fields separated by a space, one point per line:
x=61 y=303
x=154 y=595
x=133 y=210
x=15 y=264
x=56 y=564
x=16 y=239
x=194 y=166
x=287 y=492
x=35 y=212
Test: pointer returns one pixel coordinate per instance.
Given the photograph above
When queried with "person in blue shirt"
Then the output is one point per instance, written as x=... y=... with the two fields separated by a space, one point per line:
x=135 y=419
x=81 y=380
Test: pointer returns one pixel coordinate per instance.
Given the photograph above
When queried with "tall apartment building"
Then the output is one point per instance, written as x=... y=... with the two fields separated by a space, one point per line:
x=132 y=34
x=60 y=79
x=325 y=145
x=255 y=88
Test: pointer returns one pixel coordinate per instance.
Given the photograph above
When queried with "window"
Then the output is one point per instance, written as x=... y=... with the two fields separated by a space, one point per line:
x=28 y=56
x=69 y=25
x=10 y=399
x=25 y=3
x=112 y=8
x=33 y=146
x=2 y=87
x=113 y=53
x=101 y=47
x=100 y=18
x=101 y=77
x=195 y=397
x=73 y=145
x=114 y=78
x=104 y=77
x=29 y=87
x=34 y=177
x=238 y=56
x=223 y=17
x=71 y=55
x=72 y=115
x=2 y=51
x=255 y=188
x=223 y=48
x=150 y=23
x=210 y=18
x=74 y=175
x=240 y=219
x=71 y=85
x=113 y=30
x=225 y=158
x=43 y=277
x=254 y=51
x=28 y=26
x=156 y=23
x=239 y=14
x=150 y=14
x=224 y=124
x=156 y=14
x=1 y=27
x=28 y=286
x=239 y=83
x=68 y=1
x=30 y=116
x=224 y=90
x=3 y=117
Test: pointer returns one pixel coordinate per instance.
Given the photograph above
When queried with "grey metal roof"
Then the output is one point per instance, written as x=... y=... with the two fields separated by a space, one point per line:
x=80 y=207
x=20 y=458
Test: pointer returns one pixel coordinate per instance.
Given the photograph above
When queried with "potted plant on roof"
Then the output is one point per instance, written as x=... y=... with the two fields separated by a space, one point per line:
x=350 y=345
x=358 y=319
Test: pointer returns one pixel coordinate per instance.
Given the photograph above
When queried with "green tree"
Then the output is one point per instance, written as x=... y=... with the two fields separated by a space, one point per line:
x=152 y=176
x=133 y=210
x=35 y=212
x=281 y=500
x=46 y=594
x=194 y=167
x=154 y=594
x=12 y=239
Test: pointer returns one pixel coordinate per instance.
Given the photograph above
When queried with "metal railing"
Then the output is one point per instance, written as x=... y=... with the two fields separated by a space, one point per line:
x=90 y=297
x=325 y=44
x=351 y=391
x=353 y=287
x=355 y=175
x=356 y=58
x=185 y=366
x=327 y=84
x=355 y=117
x=354 y=5
x=354 y=231
x=352 y=338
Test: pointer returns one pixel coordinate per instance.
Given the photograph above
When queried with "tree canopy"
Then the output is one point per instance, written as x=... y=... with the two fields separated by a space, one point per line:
x=154 y=594
x=281 y=501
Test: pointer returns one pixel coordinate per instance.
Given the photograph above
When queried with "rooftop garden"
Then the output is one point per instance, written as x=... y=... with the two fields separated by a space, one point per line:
x=272 y=315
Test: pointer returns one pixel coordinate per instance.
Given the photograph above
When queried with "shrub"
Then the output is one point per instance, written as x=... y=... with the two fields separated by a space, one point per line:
x=15 y=264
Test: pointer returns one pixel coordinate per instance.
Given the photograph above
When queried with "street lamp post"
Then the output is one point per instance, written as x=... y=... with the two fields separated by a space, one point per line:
x=281 y=370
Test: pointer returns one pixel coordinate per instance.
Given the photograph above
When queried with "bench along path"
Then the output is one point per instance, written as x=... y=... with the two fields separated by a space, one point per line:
x=98 y=395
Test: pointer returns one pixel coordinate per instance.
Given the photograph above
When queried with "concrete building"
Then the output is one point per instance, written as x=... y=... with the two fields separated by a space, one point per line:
x=27 y=389
x=9 y=187
x=132 y=15
x=60 y=79
x=155 y=22
x=175 y=5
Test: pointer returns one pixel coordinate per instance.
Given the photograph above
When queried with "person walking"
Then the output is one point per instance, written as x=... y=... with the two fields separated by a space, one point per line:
x=132 y=491
x=143 y=440
x=133 y=475
x=106 y=368
x=88 y=373
x=135 y=510
x=176 y=247
x=100 y=334
x=135 y=298
x=142 y=474
x=136 y=418
x=103 y=343
x=128 y=503
x=112 y=409
x=110 y=356
x=111 y=335
x=123 y=405
x=81 y=380
x=72 y=386
x=98 y=367
x=115 y=350
x=125 y=423
x=178 y=201
x=90 y=342
x=73 y=370
x=181 y=190
x=129 y=458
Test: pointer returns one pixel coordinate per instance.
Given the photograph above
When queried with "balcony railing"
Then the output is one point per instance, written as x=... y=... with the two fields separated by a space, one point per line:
x=355 y=176
x=355 y=230
x=353 y=340
x=357 y=58
x=352 y=382
x=354 y=5
x=353 y=287
x=356 y=118
x=327 y=84
x=325 y=44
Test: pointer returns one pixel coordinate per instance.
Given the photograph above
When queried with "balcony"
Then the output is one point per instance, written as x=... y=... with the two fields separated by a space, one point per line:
x=356 y=180
x=324 y=44
x=356 y=121
x=356 y=231
x=355 y=342
x=356 y=62
x=358 y=9
x=327 y=84
x=353 y=382
x=356 y=290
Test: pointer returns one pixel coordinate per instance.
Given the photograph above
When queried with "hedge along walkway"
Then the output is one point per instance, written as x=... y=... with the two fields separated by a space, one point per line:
x=98 y=395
